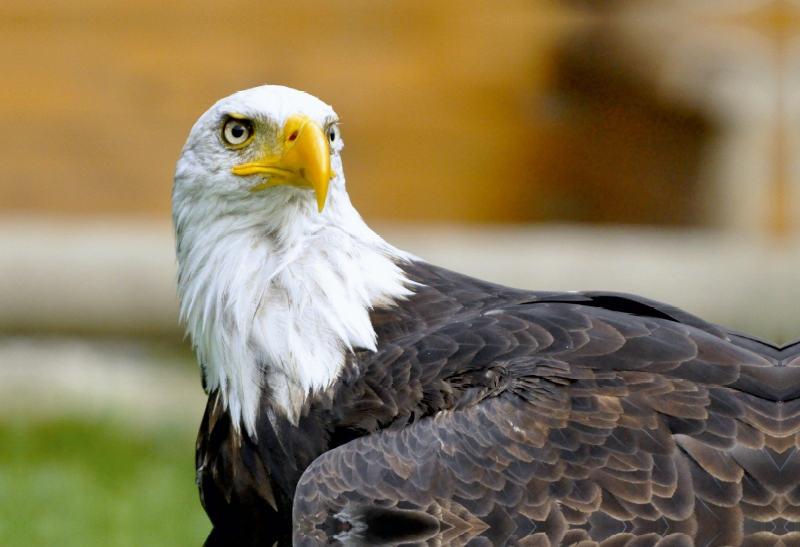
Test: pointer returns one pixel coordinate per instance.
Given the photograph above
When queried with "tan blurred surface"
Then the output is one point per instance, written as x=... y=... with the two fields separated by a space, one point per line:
x=56 y=377
x=98 y=97
x=119 y=277
x=668 y=112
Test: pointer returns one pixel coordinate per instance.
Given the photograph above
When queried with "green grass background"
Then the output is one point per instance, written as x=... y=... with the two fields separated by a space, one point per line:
x=75 y=482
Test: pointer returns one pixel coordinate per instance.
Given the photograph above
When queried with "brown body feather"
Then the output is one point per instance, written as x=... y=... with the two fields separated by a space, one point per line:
x=493 y=416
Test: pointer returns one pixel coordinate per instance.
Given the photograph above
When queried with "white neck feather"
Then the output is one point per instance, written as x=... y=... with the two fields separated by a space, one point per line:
x=276 y=294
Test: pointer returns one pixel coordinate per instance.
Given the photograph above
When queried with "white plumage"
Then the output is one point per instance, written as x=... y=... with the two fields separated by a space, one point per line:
x=272 y=290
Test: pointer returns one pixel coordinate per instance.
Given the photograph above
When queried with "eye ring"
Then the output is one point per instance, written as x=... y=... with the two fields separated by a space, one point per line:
x=236 y=132
x=333 y=133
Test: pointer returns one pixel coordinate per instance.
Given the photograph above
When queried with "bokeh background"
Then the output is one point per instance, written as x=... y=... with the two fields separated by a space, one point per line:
x=645 y=146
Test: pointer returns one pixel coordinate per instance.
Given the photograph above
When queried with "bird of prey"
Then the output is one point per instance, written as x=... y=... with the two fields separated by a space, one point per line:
x=359 y=396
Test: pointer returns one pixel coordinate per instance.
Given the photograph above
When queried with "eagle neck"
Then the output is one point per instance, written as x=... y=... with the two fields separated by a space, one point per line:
x=275 y=307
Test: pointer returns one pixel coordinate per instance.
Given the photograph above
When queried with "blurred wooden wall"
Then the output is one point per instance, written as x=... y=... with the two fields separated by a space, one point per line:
x=450 y=109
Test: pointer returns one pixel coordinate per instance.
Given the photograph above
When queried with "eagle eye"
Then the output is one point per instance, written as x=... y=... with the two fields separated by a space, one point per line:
x=333 y=133
x=237 y=132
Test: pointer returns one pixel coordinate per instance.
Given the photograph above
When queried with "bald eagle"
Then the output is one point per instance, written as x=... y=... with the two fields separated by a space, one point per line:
x=359 y=396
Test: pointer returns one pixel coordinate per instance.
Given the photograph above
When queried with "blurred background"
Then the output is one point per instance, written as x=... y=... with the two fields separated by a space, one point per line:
x=644 y=146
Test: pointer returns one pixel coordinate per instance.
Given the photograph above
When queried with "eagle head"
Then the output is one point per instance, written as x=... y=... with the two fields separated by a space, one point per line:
x=277 y=272
x=263 y=147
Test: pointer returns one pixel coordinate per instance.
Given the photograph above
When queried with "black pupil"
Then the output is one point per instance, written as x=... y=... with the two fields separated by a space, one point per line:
x=333 y=134
x=237 y=131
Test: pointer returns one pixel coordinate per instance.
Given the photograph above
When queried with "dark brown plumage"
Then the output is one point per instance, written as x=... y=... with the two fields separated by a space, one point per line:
x=494 y=416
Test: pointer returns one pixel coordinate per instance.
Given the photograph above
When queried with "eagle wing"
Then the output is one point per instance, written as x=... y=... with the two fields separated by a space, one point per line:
x=572 y=423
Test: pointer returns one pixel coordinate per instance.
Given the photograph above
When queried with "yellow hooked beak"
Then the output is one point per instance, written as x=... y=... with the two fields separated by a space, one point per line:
x=304 y=162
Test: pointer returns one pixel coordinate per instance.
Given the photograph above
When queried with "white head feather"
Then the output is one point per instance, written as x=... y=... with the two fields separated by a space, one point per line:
x=273 y=292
